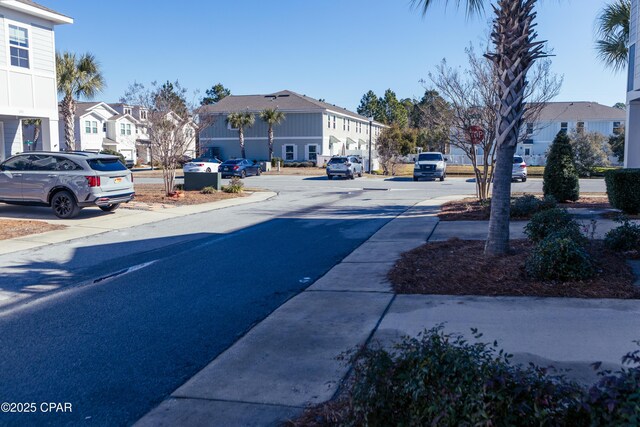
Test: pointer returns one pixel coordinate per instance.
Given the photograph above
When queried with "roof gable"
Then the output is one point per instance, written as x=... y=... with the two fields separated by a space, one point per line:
x=580 y=111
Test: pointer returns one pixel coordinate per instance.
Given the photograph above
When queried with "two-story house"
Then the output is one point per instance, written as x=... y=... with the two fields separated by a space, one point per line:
x=311 y=128
x=632 y=134
x=28 y=73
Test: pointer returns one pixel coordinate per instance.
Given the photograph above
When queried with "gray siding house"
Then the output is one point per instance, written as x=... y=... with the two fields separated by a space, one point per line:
x=28 y=73
x=311 y=130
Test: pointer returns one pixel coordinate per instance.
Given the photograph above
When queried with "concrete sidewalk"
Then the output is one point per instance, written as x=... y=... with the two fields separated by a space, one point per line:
x=96 y=222
x=289 y=360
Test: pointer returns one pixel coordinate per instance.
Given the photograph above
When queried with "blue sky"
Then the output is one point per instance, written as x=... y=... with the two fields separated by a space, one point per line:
x=332 y=49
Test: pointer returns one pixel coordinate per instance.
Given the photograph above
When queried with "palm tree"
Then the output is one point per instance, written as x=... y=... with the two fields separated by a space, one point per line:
x=271 y=116
x=613 y=34
x=240 y=121
x=77 y=77
x=515 y=51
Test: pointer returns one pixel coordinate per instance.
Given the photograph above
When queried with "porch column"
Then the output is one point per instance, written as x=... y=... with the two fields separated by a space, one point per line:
x=50 y=135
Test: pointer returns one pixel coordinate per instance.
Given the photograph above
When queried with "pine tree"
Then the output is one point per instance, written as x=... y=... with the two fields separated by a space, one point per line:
x=560 y=174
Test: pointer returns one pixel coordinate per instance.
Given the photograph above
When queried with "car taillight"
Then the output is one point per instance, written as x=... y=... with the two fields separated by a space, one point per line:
x=524 y=165
x=199 y=164
x=93 y=181
x=235 y=168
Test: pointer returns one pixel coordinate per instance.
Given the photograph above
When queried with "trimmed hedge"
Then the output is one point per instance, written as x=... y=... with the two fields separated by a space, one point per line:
x=560 y=175
x=623 y=189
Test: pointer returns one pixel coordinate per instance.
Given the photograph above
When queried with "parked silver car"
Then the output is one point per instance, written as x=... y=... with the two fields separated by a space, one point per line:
x=347 y=166
x=519 y=170
x=66 y=181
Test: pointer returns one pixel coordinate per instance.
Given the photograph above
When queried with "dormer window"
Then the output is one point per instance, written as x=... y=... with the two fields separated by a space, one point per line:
x=19 y=46
x=127 y=110
x=143 y=115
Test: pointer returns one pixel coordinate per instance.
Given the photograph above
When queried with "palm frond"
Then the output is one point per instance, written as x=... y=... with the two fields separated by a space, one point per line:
x=473 y=7
x=612 y=28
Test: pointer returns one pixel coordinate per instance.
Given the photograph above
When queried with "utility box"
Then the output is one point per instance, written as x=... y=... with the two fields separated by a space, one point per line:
x=198 y=180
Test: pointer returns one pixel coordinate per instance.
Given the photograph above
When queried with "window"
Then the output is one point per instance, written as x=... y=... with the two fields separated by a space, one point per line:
x=127 y=110
x=104 y=127
x=529 y=128
x=334 y=122
x=94 y=127
x=289 y=151
x=87 y=126
x=617 y=128
x=344 y=124
x=128 y=129
x=19 y=44
x=143 y=115
x=122 y=129
x=527 y=151
x=348 y=125
x=328 y=121
x=631 y=68
x=564 y=127
x=580 y=127
x=312 y=153
x=18 y=163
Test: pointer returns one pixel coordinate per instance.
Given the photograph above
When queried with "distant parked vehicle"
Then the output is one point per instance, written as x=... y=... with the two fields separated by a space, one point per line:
x=67 y=182
x=202 y=164
x=430 y=165
x=346 y=166
x=239 y=167
x=519 y=170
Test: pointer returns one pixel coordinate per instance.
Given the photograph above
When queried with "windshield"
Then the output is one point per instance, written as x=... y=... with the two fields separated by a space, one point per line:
x=106 y=165
x=338 y=160
x=518 y=159
x=430 y=157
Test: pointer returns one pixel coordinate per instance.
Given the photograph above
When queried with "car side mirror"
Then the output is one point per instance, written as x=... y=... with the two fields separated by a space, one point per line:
x=414 y=159
x=446 y=159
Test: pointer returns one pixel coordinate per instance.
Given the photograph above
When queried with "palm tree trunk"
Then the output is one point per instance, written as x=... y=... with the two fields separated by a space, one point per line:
x=241 y=136
x=69 y=113
x=36 y=135
x=515 y=52
x=270 y=142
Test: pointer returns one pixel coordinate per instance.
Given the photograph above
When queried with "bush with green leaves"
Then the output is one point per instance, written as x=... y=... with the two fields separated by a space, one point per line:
x=235 y=186
x=208 y=190
x=560 y=175
x=547 y=222
x=559 y=256
x=442 y=379
x=625 y=237
x=527 y=205
x=275 y=161
x=623 y=189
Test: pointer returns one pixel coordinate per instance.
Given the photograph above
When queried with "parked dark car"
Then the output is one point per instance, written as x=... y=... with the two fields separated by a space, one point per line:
x=239 y=167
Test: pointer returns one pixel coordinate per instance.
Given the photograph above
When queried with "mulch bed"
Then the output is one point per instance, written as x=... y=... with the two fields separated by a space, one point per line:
x=154 y=194
x=470 y=209
x=459 y=267
x=10 y=228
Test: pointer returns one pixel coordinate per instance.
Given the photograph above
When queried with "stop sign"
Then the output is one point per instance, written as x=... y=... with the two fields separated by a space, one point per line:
x=476 y=134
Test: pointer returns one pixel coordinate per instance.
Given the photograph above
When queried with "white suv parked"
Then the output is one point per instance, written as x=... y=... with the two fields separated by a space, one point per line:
x=430 y=165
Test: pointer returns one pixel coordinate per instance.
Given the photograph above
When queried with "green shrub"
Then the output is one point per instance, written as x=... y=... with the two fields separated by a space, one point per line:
x=444 y=380
x=550 y=221
x=235 y=186
x=560 y=175
x=560 y=257
x=208 y=190
x=623 y=189
x=275 y=161
x=626 y=237
x=527 y=205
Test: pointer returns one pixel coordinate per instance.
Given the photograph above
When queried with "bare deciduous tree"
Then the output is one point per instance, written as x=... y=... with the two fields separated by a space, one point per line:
x=473 y=97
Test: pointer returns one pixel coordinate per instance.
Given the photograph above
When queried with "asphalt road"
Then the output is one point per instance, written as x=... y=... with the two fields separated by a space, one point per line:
x=115 y=346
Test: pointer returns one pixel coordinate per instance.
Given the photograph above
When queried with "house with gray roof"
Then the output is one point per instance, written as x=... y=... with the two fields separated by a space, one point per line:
x=536 y=137
x=311 y=131
x=28 y=74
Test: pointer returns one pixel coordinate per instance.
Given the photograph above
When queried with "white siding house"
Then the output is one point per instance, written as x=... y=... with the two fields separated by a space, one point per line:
x=27 y=73
x=632 y=134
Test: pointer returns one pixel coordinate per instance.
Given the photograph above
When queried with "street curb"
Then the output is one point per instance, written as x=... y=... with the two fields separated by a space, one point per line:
x=76 y=229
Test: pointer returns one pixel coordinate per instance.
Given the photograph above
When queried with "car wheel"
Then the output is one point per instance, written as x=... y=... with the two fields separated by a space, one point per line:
x=329 y=177
x=524 y=179
x=442 y=178
x=352 y=176
x=243 y=174
x=110 y=208
x=208 y=169
x=415 y=178
x=360 y=174
x=259 y=172
x=64 y=205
